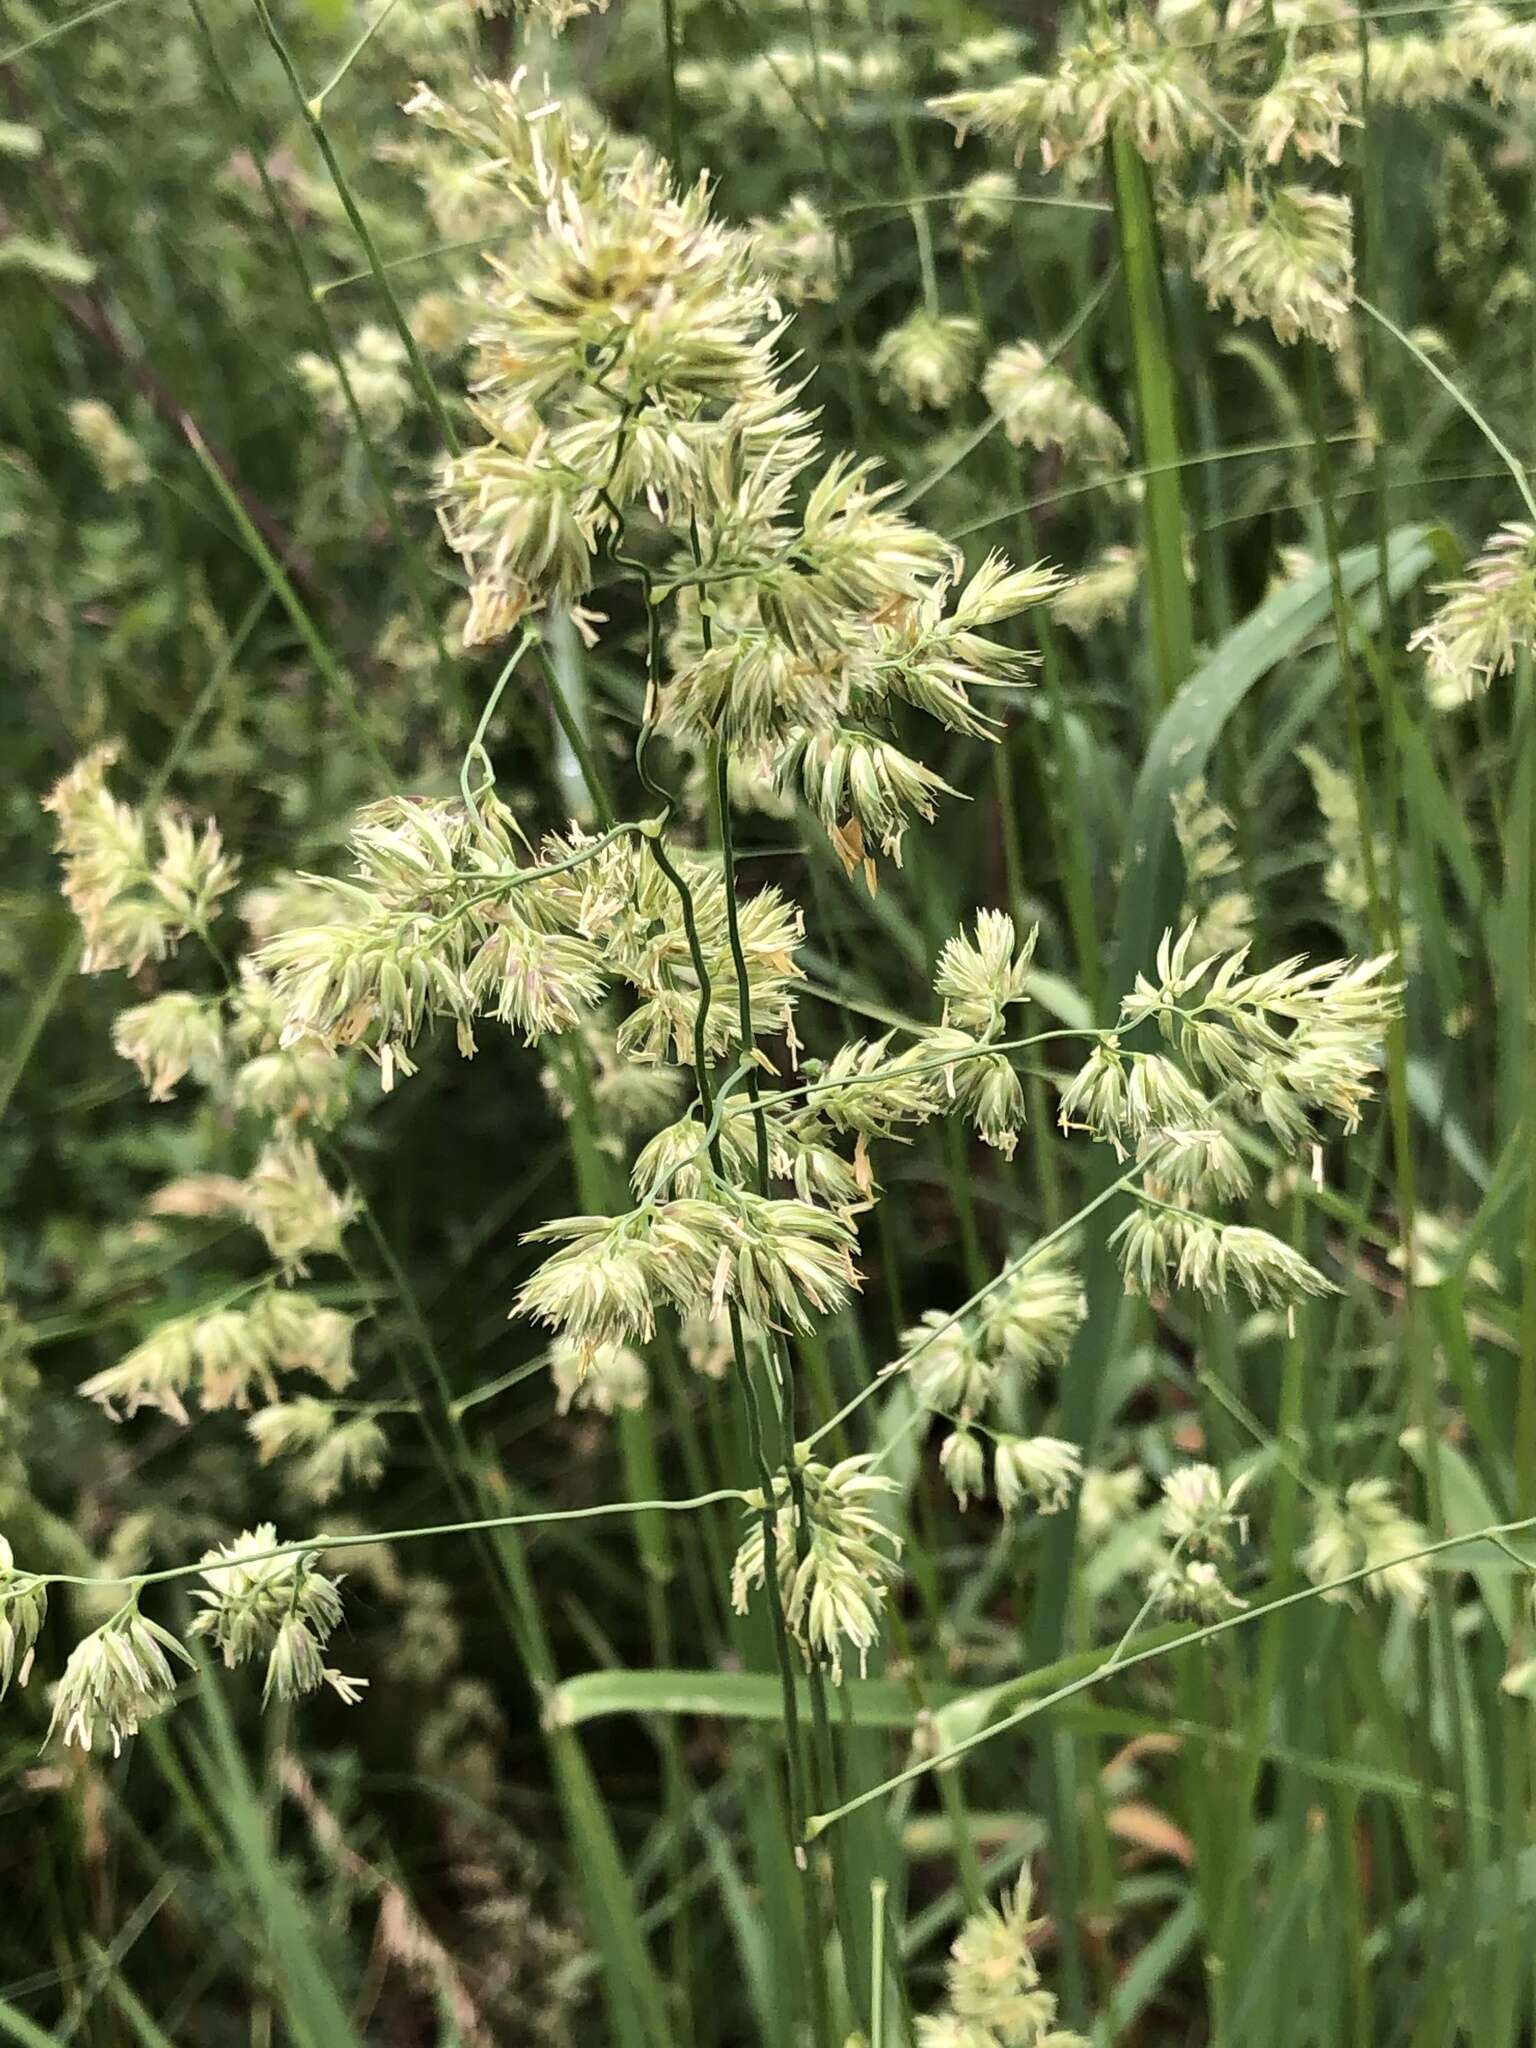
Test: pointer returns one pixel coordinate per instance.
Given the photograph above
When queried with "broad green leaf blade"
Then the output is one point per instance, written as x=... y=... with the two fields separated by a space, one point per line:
x=717 y=1695
x=1467 y=1506
x=1186 y=735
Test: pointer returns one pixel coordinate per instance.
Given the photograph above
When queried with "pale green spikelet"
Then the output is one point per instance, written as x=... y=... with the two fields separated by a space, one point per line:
x=1283 y=254
x=116 y=1678
x=1364 y=1527
x=1486 y=618
x=835 y=1569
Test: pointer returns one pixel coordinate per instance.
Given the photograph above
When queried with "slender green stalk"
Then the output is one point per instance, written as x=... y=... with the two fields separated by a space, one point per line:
x=310 y=1546
x=406 y=553
x=1156 y=407
x=576 y=738
x=288 y=598
x=672 y=43
x=356 y=51
x=55 y=30
x=312 y=111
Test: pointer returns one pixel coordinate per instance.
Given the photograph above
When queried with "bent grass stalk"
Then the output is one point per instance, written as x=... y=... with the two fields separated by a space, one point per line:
x=1123 y=1659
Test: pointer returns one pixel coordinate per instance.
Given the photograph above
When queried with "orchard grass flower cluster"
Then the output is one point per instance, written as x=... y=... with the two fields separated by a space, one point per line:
x=1215 y=901
x=1200 y=1525
x=228 y=1354
x=119 y=459
x=1486 y=619
x=630 y=364
x=1105 y=590
x=240 y=1351
x=1364 y=1527
x=23 y=1610
x=994 y=1996
x=257 y=1599
x=137 y=885
x=608 y=1379
x=1039 y=404
x=930 y=358
x=117 y=1678
x=779 y=1260
x=983 y=207
x=327 y=1449
x=1284 y=256
x=1496 y=50
x=836 y=1554
x=372 y=374
x=643 y=476
x=963 y=1365
x=773 y=87
x=1130 y=75
x=801 y=252
x=1275 y=1049
x=1185 y=85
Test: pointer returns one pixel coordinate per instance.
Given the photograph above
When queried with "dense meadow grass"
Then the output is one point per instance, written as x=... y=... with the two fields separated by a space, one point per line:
x=767 y=1024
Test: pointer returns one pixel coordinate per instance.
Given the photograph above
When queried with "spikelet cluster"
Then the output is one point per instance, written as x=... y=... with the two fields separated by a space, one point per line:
x=1106 y=589
x=1130 y=76
x=1412 y=70
x=287 y=1197
x=227 y=1356
x=1215 y=902
x=117 y=1678
x=1363 y=1528
x=1283 y=254
x=282 y=1608
x=836 y=1558
x=120 y=461
x=959 y=1365
x=1485 y=619
x=929 y=358
x=374 y=365
x=1200 y=1523
x=1020 y=1328
x=994 y=1997
x=1039 y=404
x=604 y=355
x=554 y=15
x=800 y=251
x=784 y=83
x=1496 y=50
x=1280 y=1047
x=983 y=207
x=1470 y=227
x=1304 y=109
x=168 y=1038
x=326 y=1448
x=980 y=979
x=781 y=1261
x=231 y=1045
x=607 y=1379
x=134 y=904
x=23 y=1610
x=628 y=364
